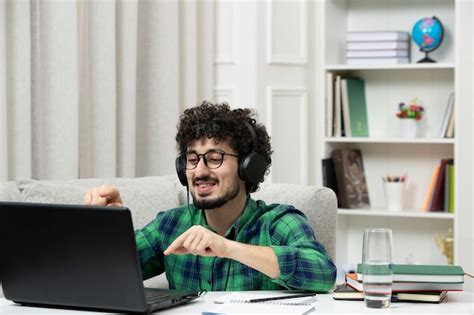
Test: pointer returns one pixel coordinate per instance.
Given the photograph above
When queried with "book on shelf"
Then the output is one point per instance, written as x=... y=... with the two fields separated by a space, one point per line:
x=351 y=279
x=439 y=188
x=377 y=61
x=379 y=45
x=337 y=108
x=448 y=182
x=423 y=273
x=329 y=104
x=451 y=188
x=450 y=129
x=437 y=202
x=377 y=53
x=366 y=36
x=354 y=107
x=346 y=119
x=429 y=193
x=350 y=178
x=447 y=189
x=343 y=127
x=329 y=175
x=346 y=292
x=447 y=116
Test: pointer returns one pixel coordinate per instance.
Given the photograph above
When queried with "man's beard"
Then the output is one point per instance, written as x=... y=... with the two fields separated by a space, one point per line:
x=218 y=202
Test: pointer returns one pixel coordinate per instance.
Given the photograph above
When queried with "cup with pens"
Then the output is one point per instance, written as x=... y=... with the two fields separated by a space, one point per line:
x=394 y=187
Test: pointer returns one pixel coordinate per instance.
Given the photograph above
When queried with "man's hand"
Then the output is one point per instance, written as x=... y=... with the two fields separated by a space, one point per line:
x=103 y=196
x=198 y=240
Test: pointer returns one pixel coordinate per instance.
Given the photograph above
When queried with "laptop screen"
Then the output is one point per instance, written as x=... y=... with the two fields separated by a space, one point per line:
x=68 y=255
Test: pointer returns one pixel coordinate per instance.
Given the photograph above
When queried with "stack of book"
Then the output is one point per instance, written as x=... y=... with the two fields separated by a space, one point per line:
x=378 y=47
x=417 y=283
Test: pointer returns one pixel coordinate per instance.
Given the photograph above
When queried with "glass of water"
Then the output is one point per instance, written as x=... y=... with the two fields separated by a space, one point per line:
x=377 y=267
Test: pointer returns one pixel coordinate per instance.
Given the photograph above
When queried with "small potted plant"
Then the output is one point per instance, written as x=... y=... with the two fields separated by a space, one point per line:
x=409 y=115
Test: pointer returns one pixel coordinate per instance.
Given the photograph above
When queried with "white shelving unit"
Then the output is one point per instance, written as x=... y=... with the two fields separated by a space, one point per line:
x=410 y=66
x=389 y=140
x=385 y=152
x=397 y=214
x=277 y=54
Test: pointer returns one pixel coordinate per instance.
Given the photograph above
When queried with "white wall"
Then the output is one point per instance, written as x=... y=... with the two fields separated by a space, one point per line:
x=262 y=62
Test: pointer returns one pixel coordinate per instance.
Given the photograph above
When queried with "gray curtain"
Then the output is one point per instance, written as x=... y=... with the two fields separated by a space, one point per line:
x=95 y=88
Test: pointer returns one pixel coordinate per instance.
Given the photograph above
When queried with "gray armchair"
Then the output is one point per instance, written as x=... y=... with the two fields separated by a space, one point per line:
x=319 y=204
x=146 y=196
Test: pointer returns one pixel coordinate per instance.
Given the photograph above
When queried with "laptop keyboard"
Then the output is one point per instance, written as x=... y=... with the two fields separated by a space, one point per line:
x=155 y=295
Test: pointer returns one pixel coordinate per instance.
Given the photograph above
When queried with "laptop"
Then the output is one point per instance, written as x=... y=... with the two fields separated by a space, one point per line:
x=75 y=256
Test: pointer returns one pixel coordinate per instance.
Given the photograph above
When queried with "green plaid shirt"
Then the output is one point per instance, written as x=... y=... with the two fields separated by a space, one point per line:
x=303 y=262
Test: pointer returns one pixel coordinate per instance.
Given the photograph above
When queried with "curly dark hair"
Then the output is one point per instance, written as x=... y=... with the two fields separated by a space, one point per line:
x=220 y=122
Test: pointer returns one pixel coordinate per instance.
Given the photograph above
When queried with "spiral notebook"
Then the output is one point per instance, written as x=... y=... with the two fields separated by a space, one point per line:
x=237 y=303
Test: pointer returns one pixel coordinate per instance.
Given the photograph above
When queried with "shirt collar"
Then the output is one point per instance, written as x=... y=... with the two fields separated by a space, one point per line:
x=247 y=214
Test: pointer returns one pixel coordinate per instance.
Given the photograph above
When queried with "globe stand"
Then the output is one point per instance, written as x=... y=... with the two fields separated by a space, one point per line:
x=426 y=59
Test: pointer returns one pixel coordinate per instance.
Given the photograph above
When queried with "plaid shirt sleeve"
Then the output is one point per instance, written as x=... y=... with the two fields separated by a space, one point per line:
x=304 y=263
x=151 y=256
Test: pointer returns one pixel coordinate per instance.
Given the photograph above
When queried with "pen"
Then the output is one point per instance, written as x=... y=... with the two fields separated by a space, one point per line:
x=281 y=297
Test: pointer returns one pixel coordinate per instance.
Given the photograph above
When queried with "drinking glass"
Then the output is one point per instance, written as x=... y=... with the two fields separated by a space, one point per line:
x=377 y=267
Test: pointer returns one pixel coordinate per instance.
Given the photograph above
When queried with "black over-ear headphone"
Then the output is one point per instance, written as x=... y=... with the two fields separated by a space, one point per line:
x=252 y=166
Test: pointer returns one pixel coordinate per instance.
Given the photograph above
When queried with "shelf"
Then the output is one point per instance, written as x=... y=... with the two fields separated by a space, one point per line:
x=389 y=140
x=400 y=214
x=386 y=151
x=406 y=66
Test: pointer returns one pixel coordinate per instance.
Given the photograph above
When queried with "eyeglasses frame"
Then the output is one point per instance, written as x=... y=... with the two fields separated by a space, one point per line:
x=203 y=156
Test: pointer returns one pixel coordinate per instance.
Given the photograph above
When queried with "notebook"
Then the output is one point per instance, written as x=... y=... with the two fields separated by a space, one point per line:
x=75 y=256
x=238 y=303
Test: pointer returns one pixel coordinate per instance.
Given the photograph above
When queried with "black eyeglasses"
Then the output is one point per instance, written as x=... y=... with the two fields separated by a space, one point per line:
x=212 y=159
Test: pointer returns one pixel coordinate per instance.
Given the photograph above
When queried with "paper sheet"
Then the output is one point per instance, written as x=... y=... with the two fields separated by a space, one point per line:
x=235 y=303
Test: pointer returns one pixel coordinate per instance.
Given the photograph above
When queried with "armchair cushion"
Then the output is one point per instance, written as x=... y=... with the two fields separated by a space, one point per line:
x=319 y=204
x=145 y=196
x=9 y=192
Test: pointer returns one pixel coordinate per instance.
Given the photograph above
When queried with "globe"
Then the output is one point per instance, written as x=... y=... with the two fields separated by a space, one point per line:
x=428 y=33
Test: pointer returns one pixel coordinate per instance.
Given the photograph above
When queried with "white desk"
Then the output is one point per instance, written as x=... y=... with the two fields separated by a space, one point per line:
x=457 y=303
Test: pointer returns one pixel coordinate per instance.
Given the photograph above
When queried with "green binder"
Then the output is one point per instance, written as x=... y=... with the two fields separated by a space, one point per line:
x=357 y=107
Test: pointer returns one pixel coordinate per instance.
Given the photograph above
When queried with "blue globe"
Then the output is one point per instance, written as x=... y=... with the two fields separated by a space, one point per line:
x=428 y=33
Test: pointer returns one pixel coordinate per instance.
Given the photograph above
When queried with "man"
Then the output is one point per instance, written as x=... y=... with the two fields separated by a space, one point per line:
x=225 y=240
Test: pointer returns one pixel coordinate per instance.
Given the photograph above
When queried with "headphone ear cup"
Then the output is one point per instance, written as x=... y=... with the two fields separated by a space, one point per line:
x=180 y=164
x=252 y=168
